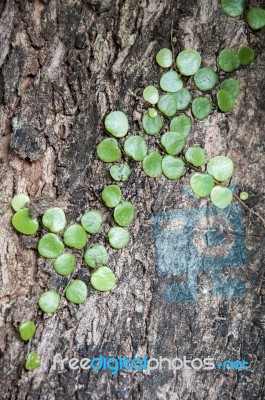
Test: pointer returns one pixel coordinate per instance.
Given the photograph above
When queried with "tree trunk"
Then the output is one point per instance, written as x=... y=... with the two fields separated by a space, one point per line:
x=64 y=66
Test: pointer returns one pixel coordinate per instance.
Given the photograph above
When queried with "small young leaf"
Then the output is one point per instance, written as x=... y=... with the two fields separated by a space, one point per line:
x=32 y=362
x=173 y=167
x=195 y=156
x=205 y=79
x=164 y=58
x=152 y=164
x=243 y=196
x=152 y=112
x=135 y=147
x=221 y=196
x=111 y=195
x=108 y=150
x=103 y=279
x=221 y=168
x=173 y=142
x=201 y=184
x=201 y=107
x=171 y=82
x=188 y=62
x=152 y=125
x=116 y=123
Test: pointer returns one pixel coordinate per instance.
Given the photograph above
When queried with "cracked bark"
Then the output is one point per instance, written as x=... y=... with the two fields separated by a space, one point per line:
x=65 y=64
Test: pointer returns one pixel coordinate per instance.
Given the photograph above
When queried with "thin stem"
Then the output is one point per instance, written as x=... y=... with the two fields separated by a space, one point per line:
x=251 y=211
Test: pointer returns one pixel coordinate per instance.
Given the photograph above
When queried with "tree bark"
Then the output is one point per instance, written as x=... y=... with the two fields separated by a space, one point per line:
x=64 y=66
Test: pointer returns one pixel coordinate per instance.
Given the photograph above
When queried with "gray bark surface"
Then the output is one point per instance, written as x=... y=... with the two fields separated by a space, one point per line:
x=64 y=66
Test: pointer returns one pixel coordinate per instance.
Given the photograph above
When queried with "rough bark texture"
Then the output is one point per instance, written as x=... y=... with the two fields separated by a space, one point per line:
x=64 y=65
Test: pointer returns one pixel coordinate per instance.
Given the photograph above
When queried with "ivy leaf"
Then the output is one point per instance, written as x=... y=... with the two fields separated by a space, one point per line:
x=246 y=55
x=173 y=167
x=152 y=125
x=151 y=95
x=228 y=60
x=221 y=196
x=167 y=105
x=181 y=124
x=201 y=184
x=201 y=107
x=226 y=101
x=221 y=168
x=256 y=18
x=164 y=58
x=135 y=147
x=195 y=156
x=108 y=150
x=205 y=79
x=231 y=85
x=120 y=172
x=233 y=8
x=188 y=62
x=171 y=82
x=173 y=142
x=152 y=164
x=116 y=123
x=182 y=98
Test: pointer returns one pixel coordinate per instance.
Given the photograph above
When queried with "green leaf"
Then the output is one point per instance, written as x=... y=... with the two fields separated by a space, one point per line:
x=92 y=221
x=96 y=256
x=171 y=82
x=76 y=292
x=164 y=58
x=226 y=101
x=173 y=142
x=50 y=246
x=152 y=112
x=195 y=156
x=64 y=264
x=75 y=236
x=152 y=164
x=24 y=223
x=182 y=98
x=116 y=123
x=231 y=85
x=221 y=196
x=111 y=195
x=108 y=150
x=27 y=330
x=243 y=196
x=103 y=279
x=228 y=60
x=135 y=147
x=54 y=219
x=152 y=125
x=201 y=107
x=256 y=18
x=205 y=79
x=150 y=94
x=221 y=168
x=120 y=172
x=173 y=167
x=181 y=124
x=188 y=62
x=32 y=362
x=49 y=301
x=167 y=105
x=118 y=237
x=201 y=184
x=246 y=55
x=124 y=213
x=233 y=8
x=19 y=201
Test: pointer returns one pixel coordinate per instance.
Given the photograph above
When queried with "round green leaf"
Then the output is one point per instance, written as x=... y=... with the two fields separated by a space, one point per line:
x=164 y=58
x=246 y=55
x=167 y=105
x=205 y=79
x=27 y=330
x=24 y=223
x=182 y=98
x=233 y=8
x=135 y=147
x=181 y=124
x=152 y=112
x=75 y=236
x=152 y=164
x=226 y=100
x=201 y=107
x=64 y=264
x=124 y=213
x=171 y=82
x=221 y=196
x=103 y=279
x=118 y=237
x=195 y=156
x=92 y=221
x=221 y=168
x=116 y=123
x=231 y=85
x=256 y=18
x=32 y=362
x=243 y=196
x=188 y=62
x=108 y=150
x=76 y=292
x=228 y=60
x=173 y=142
x=111 y=195
x=54 y=219
x=151 y=95
x=173 y=167
x=201 y=184
x=152 y=125
x=96 y=256
x=49 y=301
x=50 y=246
x=19 y=201
x=120 y=172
